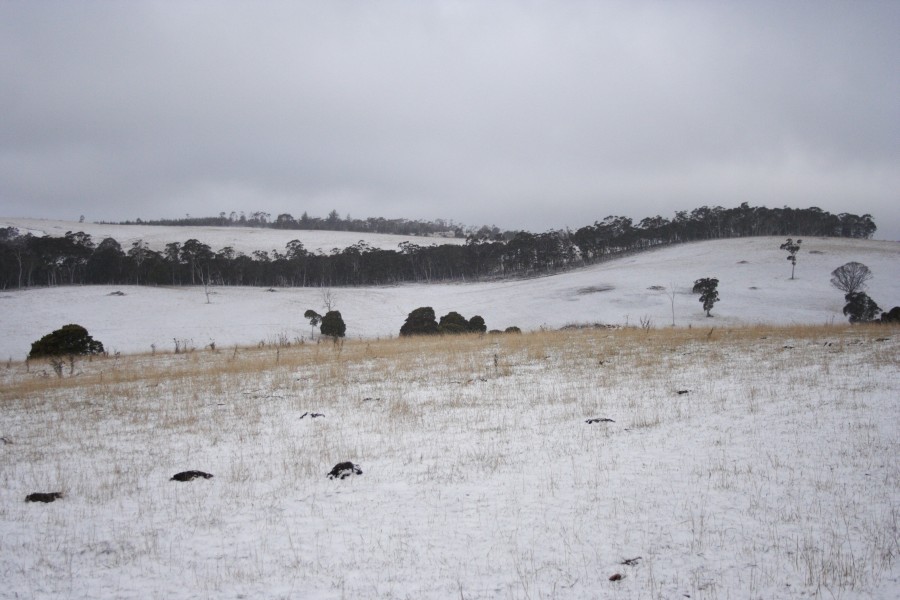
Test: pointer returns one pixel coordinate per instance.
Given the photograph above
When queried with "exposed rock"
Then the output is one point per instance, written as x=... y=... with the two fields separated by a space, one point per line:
x=189 y=475
x=343 y=470
x=599 y=420
x=43 y=497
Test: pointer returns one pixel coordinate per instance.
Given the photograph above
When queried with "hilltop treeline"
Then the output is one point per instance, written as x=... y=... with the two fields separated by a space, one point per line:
x=27 y=260
x=333 y=222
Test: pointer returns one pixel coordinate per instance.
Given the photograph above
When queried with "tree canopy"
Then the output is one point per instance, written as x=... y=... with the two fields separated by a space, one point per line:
x=851 y=277
x=69 y=340
x=709 y=293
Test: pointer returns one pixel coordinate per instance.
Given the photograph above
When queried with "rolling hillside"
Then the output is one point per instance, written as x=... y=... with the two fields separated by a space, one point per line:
x=241 y=239
x=753 y=273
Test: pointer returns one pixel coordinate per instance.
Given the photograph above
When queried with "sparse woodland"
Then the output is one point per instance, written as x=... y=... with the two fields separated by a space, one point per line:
x=76 y=258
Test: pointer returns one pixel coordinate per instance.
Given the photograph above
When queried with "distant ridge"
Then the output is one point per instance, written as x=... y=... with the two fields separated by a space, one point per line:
x=77 y=259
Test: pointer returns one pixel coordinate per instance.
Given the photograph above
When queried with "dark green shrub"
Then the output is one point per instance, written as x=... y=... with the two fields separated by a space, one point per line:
x=453 y=323
x=70 y=340
x=860 y=308
x=333 y=324
x=420 y=322
x=512 y=329
x=891 y=316
x=477 y=325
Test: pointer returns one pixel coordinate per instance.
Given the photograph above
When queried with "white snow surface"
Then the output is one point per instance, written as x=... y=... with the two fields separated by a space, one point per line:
x=776 y=476
x=241 y=239
x=754 y=288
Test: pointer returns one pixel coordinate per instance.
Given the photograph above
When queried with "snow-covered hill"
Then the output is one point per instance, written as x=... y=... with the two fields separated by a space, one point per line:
x=241 y=239
x=755 y=287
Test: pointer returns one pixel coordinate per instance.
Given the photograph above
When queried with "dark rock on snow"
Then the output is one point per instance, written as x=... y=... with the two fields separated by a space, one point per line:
x=43 y=497
x=189 y=475
x=343 y=470
x=602 y=420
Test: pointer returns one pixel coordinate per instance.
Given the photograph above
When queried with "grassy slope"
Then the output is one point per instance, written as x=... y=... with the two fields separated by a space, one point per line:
x=776 y=476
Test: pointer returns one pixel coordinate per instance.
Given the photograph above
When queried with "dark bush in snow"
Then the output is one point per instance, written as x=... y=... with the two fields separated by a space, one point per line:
x=860 y=308
x=333 y=324
x=891 y=316
x=70 y=340
x=477 y=324
x=420 y=322
x=453 y=322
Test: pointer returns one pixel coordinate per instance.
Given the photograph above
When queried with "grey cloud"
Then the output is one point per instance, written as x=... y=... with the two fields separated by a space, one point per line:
x=523 y=114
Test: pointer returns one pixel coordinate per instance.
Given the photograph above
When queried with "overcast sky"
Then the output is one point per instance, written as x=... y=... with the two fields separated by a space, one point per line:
x=530 y=114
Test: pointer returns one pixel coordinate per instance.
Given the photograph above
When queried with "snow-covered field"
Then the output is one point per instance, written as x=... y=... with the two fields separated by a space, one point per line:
x=738 y=463
x=755 y=287
x=746 y=457
x=241 y=239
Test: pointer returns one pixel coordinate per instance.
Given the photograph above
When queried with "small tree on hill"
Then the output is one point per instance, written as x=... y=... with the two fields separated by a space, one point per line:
x=851 y=277
x=333 y=325
x=709 y=294
x=69 y=341
x=860 y=308
x=420 y=322
x=314 y=319
x=792 y=249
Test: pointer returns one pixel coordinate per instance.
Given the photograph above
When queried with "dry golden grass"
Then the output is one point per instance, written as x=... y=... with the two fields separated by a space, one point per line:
x=462 y=432
x=440 y=358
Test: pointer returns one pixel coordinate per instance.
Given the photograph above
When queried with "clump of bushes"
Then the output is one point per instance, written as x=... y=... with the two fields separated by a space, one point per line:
x=420 y=322
x=423 y=321
x=891 y=316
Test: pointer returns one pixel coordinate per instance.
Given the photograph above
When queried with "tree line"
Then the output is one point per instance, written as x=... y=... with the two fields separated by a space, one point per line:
x=75 y=258
x=333 y=222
